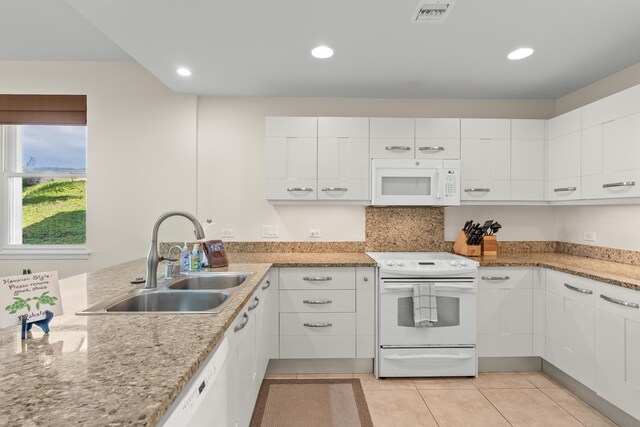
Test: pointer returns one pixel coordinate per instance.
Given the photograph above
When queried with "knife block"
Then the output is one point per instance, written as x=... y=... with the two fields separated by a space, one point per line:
x=460 y=246
x=489 y=246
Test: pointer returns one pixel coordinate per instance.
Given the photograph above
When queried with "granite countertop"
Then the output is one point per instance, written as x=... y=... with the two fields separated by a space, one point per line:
x=121 y=369
x=615 y=273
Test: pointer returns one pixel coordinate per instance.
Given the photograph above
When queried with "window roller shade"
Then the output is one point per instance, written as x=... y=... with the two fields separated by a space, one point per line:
x=43 y=109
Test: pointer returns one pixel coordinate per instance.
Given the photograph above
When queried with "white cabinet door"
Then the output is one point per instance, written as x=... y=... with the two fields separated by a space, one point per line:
x=570 y=325
x=262 y=331
x=343 y=158
x=273 y=313
x=564 y=167
x=618 y=347
x=246 y=350
x=437 y=138
x=527 y=159
x=392 y=138
x=485 y=128
x=291 y=158
x=485 y=169
x=505 y=312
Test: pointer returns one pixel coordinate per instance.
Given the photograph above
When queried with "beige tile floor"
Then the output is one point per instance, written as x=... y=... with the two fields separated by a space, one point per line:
x=492 y=399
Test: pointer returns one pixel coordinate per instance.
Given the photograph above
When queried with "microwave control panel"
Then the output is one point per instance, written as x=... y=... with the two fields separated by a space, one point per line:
x=451 y=186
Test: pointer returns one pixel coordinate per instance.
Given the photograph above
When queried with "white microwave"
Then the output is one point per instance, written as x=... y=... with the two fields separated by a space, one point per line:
x=415 y=182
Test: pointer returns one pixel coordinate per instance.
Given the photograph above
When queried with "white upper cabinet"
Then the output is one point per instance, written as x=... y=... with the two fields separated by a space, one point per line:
x=437 y=139
x=611 y=148
x=343 y=158
x=527 y=159
x=485 y=161
x=563 y=157
x=392 y=138
x=291 y=158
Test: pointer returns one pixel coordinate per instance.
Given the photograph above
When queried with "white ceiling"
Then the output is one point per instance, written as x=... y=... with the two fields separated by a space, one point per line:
x=261 y=48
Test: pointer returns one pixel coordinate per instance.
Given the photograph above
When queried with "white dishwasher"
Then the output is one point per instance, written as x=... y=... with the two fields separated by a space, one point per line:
x=203 y=402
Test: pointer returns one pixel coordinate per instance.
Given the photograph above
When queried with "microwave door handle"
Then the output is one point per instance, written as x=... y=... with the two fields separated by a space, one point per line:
x=437 y=186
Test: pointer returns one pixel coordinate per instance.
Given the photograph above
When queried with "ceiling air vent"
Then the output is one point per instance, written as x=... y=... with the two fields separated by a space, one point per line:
x=434 y=11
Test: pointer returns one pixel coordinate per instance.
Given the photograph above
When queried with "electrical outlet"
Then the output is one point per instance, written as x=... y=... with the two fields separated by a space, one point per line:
x=228 y=232
x=589 y=236
x=315 y=233
x=270 y=231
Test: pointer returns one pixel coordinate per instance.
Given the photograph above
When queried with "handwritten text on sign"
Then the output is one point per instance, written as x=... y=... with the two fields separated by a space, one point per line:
x=30 y=294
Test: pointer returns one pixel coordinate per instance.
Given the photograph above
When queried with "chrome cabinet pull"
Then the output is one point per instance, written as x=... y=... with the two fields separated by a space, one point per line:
x=335 y=189
x=317 y=301
x=299 y=189
x=397 y=147
x=243 y=324
x=573 y=288
x=268 y=282
x=477 y=190
x=431 y=148
x=317 y=325
x=619 y=184
x=496 y=277
x=253 y=307
x=620 y=302
x=317 y=279
x=557 y=190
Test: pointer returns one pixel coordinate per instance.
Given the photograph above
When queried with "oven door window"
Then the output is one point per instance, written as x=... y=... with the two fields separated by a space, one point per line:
x=448 y=312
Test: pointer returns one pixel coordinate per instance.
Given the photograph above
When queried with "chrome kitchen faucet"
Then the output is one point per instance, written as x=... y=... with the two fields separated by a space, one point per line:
x=153 y=258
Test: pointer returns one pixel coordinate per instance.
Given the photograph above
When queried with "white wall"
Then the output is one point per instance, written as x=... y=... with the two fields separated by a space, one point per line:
x=140 y=156
x=231 y=165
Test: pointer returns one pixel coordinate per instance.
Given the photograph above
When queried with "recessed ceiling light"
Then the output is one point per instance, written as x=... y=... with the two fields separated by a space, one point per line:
x=184 y=72
x=520 y=53
x=322 y=52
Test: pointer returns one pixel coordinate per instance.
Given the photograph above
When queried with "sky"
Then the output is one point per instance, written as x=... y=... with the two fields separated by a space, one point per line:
x=55 y=146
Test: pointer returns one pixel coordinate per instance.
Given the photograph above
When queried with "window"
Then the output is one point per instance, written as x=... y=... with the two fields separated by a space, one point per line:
x=43 y=185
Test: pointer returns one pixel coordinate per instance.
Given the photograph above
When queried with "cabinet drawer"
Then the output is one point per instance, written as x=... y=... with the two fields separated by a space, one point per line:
x=318 y=278
x=317 y=301
x=306 y=347
x=572 y=287
x=314 y=324
x=505 y=278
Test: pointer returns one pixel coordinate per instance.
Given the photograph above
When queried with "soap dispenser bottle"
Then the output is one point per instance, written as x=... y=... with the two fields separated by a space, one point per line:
x=196 y=258
x=184 y=259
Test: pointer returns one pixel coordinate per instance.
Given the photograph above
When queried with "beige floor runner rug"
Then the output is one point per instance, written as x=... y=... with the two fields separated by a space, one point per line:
x=311 y=403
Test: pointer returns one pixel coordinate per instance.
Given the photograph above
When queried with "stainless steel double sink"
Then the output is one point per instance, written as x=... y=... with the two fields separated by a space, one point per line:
x=202 y=292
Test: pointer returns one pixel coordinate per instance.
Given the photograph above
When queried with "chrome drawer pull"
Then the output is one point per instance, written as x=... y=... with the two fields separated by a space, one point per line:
x=620 y=302
x=573 y=288
x=268 y=282
x=496 y=277
x=619 y=184
x=317 y=325
x=253 y=307
x=317 y=301
x=477 y=190
x=317 y=279
x=243 y=324
x=557 y=190
x=335 y=189
x=397 y=147
x=299 y=189
x=432 y=148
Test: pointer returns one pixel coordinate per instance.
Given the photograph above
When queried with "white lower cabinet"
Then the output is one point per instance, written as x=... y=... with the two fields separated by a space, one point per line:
x=505 y=312
x=248 y=349
x=618 y=347
x=570 y=325
x=326 y=312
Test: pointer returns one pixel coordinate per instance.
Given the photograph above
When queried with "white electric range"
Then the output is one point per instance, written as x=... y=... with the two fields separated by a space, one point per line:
x=448 y=346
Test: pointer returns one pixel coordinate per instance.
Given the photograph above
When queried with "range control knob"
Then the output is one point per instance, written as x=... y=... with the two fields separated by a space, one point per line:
x=453 y=262
x=463 y=262
x=400 y=263
x=389 y=262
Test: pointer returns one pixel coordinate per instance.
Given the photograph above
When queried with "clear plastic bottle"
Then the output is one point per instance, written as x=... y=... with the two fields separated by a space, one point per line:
x=185 y=260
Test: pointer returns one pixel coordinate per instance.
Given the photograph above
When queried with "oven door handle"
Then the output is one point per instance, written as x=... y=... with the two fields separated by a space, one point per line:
x=438 y=286
x=429 y=356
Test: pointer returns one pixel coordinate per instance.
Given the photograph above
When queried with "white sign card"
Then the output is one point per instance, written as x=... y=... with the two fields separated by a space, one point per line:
x=30 y=294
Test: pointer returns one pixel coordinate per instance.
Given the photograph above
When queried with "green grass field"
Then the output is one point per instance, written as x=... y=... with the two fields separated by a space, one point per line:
x=54 y=213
